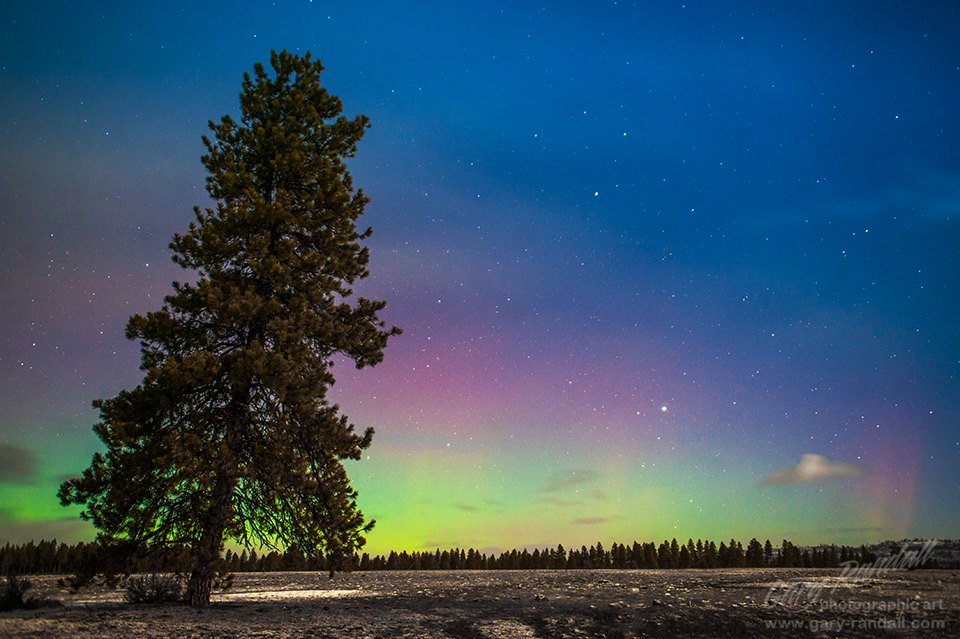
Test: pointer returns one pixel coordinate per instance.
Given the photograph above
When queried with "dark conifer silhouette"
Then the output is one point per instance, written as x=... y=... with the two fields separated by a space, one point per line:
x=51 y=557
x=754 y=555
x=230 y=435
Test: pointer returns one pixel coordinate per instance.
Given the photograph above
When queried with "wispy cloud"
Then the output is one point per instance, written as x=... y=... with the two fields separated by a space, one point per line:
x=569 y=480
x=812 y=468
x=484 y=505
x=862 y=529
x=17 y=465
x=561 y=503
x=589 y=521
x=16 y=530
x=467 y=508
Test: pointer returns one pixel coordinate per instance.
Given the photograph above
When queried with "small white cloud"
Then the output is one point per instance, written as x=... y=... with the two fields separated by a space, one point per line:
x=812 y=467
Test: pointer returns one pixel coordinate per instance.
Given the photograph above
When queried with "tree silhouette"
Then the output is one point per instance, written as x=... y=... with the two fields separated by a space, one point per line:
x=754 y=554
x=49 y=557
x=664 y=556
x=230 y=435
x=711 y=555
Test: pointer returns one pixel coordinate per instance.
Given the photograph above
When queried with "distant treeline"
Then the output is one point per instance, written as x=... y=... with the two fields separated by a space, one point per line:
x=50 y=557
x=668 y=554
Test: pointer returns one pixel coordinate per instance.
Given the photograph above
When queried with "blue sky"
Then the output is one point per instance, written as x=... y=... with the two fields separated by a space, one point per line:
x=584 y=214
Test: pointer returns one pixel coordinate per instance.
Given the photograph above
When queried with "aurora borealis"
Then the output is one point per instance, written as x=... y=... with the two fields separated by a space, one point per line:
x=665 y=269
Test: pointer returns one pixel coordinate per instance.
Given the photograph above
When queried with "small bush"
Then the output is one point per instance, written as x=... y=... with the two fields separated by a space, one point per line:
x=13 y=595
x=153 y=589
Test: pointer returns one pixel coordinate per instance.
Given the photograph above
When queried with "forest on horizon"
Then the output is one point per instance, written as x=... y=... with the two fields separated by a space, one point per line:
x=51 y=557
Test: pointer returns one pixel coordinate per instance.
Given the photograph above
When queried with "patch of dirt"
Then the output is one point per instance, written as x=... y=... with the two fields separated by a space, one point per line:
x=522 y=605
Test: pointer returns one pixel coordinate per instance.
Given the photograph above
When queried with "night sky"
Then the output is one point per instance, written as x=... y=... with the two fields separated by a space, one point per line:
x=664 y=269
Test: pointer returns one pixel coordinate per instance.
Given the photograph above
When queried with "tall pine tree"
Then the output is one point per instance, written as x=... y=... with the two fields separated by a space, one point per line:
x=230 y=434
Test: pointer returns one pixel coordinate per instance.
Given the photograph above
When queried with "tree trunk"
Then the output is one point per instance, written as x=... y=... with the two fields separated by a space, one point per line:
x=206 y=552
x=199 y=589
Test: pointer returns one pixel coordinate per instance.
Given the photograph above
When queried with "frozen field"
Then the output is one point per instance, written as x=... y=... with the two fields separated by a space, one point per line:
x=523 y=604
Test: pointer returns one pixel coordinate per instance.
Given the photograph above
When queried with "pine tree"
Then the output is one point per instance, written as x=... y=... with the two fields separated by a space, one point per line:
x=723 y=555
x=664 y=556
x=711 y=555
x=599 y=556
x=650 y=559
x=736 y=553
x=674 y=553
x=230 y=434
x=754 y=555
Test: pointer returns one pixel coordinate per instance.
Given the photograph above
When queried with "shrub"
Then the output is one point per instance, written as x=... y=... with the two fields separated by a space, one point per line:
x=13 y=595
x=153 y=589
